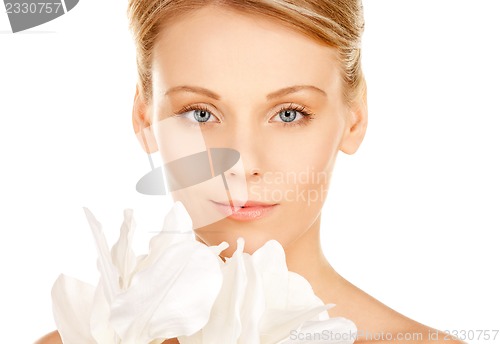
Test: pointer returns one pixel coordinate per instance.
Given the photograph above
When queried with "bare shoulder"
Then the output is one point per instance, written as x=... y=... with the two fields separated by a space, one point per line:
x=50 y=338
x=376 y=322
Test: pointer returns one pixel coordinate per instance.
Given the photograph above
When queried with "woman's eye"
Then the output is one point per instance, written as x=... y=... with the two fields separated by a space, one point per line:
x=199 y=116
x=289 y=115
x=202 y=115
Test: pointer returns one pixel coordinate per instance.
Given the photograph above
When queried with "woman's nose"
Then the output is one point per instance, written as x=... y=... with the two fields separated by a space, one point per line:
x=249 y=143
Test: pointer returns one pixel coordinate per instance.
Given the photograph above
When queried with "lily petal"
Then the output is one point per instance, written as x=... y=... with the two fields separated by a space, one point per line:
x=109 y=273
x=260 y=300
x=254 y=302
x=277 y=324
x=289 y=298
x=216 y=250
x=171 y=298
x=71 y=305
x=122 y=254
x=177 y=226
x=99 y=318
x=224 y=325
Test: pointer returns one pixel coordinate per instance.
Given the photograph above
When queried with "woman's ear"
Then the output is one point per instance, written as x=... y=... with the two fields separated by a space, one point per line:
x=356 y=126
x=142 y=123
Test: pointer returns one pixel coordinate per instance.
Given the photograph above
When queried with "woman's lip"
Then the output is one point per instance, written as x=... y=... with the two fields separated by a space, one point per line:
x=249 y=212
x=237 y=204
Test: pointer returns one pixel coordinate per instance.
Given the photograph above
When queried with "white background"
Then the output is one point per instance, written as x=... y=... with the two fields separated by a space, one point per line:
x=412 y=217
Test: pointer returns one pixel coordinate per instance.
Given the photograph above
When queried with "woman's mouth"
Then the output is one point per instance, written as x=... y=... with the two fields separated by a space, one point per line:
x=250 y=211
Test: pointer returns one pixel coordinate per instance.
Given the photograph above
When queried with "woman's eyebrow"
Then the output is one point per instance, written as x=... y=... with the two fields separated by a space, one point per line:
x=293 y=89
x=193 y=89
x=275 y=94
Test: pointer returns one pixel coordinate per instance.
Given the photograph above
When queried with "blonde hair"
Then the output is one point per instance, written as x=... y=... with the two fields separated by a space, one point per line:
x=336 y=23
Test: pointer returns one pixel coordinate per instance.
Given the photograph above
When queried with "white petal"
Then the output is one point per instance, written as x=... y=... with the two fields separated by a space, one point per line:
x=219 y=248
x=197 y=338
x=109 y=274
x=71 y=305
x=284 y=289
x=181 y=222
x=254 y=305
x=300 y=292
x=270 y=261
x=289 y=298
x=260 y=300
x=277 y=323
x=99 y=319
x=171 y=298
x=177 y=226
x=224 y=325
x=122 y=254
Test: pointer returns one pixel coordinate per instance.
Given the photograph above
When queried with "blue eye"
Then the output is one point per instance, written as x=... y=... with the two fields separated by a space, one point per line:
x=288 y=115
x=292 y=115
x=197 y=115
x=201 y=115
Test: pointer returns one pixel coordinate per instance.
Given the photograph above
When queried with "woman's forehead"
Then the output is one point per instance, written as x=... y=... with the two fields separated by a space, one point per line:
x=222 y=48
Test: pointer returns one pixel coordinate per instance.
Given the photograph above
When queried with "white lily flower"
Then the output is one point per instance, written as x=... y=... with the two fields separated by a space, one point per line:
x=262 y=302
x=182 y=289
x=140 y=300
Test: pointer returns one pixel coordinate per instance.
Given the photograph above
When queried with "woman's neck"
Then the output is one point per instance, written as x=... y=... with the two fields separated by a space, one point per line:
x=305 y=257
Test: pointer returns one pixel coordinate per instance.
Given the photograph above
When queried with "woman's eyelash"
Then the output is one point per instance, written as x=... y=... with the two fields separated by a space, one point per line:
x=307 y=115
x=192 y=108
x=189 y=108
x=298 y=108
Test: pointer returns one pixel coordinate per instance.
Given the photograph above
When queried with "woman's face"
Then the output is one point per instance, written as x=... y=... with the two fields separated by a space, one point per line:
x=265 y=91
